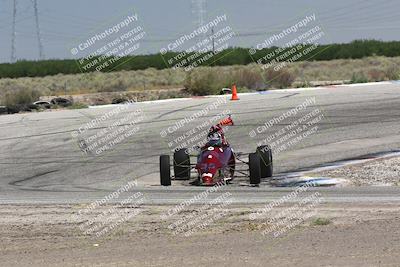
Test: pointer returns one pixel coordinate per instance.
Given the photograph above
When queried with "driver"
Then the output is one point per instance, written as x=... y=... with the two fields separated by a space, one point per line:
x=216 y=136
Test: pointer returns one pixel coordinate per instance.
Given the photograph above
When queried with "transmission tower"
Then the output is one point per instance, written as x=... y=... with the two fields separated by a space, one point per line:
x=199 y=11
x=13 y=33
x=41 y=54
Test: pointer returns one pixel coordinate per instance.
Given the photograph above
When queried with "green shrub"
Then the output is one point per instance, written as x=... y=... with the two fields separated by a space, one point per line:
x=78 y=106
x=392 y=72
x=113 y=85
x=321 y=221
x=206 y=81
x=249 y=78
x=303 y=84
x=210 y=80
x=20 y=99
x=358 y=77
x=376 y=75
x=279 y=79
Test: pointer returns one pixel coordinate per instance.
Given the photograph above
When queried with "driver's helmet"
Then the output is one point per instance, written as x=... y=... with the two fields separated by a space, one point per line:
x=214 y=139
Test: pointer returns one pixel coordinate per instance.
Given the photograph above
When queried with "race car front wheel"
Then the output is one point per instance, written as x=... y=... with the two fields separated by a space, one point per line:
x=181 y=164
x=254 y=168
x=165 y=170
x=266 y=165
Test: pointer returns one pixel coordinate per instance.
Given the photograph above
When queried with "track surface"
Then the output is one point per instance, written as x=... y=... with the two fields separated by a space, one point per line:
x=41 y=161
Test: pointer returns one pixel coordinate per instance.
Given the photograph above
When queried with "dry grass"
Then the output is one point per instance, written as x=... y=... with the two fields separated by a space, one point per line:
x=373 y=68
x=98 y=82
x=208 y=80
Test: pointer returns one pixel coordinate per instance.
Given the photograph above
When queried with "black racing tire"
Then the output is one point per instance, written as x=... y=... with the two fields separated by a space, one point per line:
x=254 y=168
x=165 y=170
x=181 y=165
x=266 y=163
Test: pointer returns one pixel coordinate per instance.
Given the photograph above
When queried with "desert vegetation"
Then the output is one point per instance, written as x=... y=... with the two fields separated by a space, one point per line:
x=198 y=81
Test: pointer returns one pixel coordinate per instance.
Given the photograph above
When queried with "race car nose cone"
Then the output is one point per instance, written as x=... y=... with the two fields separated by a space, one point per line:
x=207 y=178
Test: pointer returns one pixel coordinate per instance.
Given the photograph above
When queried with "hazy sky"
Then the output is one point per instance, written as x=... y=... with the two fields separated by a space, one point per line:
x=64 y=23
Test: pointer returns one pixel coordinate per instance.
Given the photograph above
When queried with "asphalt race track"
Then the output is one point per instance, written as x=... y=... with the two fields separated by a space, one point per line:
x=41 y=161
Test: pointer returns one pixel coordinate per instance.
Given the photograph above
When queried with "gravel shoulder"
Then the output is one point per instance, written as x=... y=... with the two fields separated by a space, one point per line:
x=384 y=171
x=353 y=235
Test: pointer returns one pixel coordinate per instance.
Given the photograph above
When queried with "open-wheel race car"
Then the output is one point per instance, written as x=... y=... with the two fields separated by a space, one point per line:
x=217 y=162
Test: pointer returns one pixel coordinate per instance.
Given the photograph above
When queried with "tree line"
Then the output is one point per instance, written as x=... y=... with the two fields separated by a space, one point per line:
x=230 y=56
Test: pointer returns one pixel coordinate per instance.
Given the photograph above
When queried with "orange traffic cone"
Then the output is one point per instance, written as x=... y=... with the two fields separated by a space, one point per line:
x=234 y=93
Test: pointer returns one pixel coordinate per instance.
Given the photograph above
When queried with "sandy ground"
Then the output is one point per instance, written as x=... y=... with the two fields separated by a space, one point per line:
x=384 y=171
x=349 y=235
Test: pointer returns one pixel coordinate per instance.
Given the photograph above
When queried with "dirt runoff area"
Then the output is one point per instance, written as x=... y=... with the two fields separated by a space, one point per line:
x=335 y=235
x=384 y=171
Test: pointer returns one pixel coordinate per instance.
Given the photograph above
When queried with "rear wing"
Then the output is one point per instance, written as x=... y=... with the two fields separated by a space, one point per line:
x=227 y=121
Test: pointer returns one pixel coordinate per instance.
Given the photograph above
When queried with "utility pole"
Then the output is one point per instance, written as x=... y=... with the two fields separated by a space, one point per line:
x=41 y=54
x=213 y=42
x=13 y=33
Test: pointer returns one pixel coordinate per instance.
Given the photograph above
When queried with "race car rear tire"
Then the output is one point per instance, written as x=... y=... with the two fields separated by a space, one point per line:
x=165 y=170
x=254 y=168
x=266 y=164
x=181 y=164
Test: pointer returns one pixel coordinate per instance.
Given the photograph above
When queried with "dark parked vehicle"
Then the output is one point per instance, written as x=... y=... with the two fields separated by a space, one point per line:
x=60 y=101
x=3 y=110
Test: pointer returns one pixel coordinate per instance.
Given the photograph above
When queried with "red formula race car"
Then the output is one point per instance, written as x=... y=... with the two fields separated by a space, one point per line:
x=217 y=162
